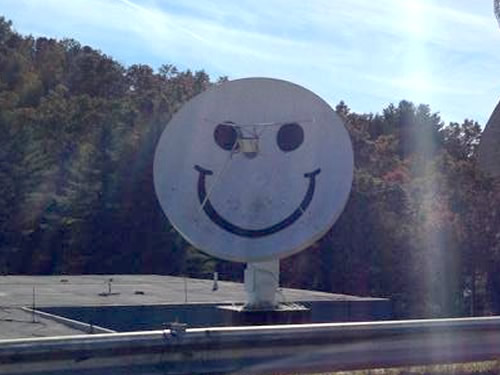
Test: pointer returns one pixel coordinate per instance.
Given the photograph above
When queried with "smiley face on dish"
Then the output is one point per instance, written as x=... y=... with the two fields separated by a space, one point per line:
x=290 y=137
x=253 y=169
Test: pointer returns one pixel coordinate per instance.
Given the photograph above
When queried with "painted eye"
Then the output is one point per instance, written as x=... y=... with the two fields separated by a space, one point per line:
x=290 y=137
x=225 y=136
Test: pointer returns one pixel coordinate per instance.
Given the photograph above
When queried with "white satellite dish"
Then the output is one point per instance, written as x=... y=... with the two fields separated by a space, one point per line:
x=254 y=170
x=488 y=151
x=496 y=8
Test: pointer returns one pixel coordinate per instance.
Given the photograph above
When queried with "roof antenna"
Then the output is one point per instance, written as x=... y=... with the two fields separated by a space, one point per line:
x=215 y=286
x=185 y=289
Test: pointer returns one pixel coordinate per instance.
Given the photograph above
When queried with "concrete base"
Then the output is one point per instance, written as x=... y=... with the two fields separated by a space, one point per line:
x=261 y=283
x=284 y=313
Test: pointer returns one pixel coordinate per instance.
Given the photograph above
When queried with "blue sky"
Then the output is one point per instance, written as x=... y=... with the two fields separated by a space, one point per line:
x=445 y=53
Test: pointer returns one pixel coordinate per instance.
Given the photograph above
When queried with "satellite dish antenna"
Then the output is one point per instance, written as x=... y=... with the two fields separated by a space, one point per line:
x=496 y=7
x=489 y=152
x=254 y=170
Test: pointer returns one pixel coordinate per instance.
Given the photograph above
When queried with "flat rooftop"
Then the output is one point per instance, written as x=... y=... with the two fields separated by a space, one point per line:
x=17 y=292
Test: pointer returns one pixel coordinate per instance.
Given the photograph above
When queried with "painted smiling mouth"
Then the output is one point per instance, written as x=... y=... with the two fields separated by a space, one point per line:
x=252 y=233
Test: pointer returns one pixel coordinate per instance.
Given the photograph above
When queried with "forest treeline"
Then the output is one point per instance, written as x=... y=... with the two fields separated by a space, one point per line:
x=77 y=136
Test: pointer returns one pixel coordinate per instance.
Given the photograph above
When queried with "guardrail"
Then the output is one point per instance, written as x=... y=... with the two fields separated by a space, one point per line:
x=260 y=350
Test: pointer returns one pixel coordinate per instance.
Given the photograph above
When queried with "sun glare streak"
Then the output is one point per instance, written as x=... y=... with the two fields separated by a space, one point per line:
x=415 y=19
x=416 y=61
x=419 y=82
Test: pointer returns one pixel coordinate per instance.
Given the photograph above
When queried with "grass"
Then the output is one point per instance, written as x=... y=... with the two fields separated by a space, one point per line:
x=473 y=368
